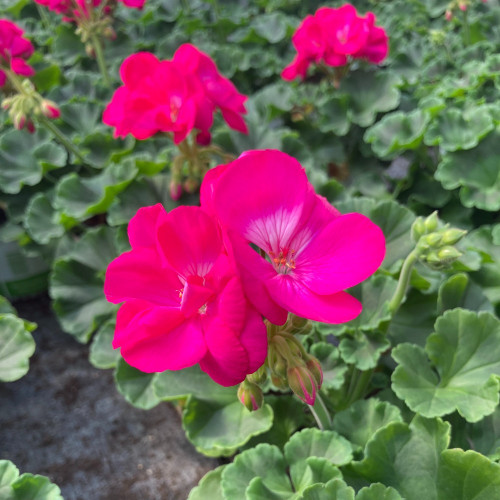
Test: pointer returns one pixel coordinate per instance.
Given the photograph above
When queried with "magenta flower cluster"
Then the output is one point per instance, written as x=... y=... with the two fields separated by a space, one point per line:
x=335 y=37
x=199 y=281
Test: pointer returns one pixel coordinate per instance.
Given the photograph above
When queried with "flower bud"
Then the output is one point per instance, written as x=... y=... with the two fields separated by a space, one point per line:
x=258 y=377
x=19 y=121
x=448 y=15
x=431 y=223
x=448 y=254
x=302 y=383
x=314 y=366
x=191 y=185
x=279 y=367
x=175 y=189
x=418 y=229
x=432 y=240
x=452 y=236
x=462 y=6
x=279 y=382
x=50 y=109
x=30 y=127
x=250 y=395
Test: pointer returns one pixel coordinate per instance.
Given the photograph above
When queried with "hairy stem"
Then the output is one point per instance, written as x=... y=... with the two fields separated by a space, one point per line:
x=101 y=61
x=321 y=414
x=404 y=280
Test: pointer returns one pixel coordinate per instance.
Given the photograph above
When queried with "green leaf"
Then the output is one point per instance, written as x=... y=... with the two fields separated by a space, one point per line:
x=476 y=172
x=395 y=221
x=8 y=474
x=333 y=115
x=102 y=355
x=218 y=429
x=209 y=487
x=464 y=372
x=272 y=27
x=378 y=491
x=370 y=92
x=41 y=220
x=179 y=384
x=362 y=419
x=334 y=369
x=406 y=457
x=455 y=129
x=16 y=347
x=460 y=291
x=335 y=489
x=77 y=280
x=82 y=117
x=315 y=443
x=46 y=78
x=264 y=461
x=24 y=158
x=363 y=350
x=81 y=198
x=397 y=132
x=31 y=487
x=467 y=475
x=135 y=386
x=5 y=306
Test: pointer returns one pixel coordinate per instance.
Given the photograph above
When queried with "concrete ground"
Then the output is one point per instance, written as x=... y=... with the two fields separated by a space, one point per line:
x=66 y=420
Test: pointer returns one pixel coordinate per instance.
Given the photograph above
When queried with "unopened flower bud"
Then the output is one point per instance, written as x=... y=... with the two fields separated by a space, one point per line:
x=448 y=15
x=250 y=395
x=452 y=236
x=418 y=228
x=258 y=377
x=279 y=382
x=279 y=367
x=50 y=109
x=462 y=6
x=191 y=185
x=431 y=223
x=314 y=366
x=30 y=127
x=432 y=240
x=109 y=33
x=302 y=383
x=19 y=121
x=448 y=254
x=175 y=189
x=89 y=50
x=432 y=258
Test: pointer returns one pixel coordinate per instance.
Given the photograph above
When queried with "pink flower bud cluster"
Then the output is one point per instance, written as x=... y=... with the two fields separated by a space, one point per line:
x=14 y=50
x=335 y=37
x=74 y=10
x=195 y=290
x=174 y=96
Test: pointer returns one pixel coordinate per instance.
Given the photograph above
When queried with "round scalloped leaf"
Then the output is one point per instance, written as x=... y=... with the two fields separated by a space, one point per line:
x=476 y=172
x=370 y=92
x=179 y=384
x=378 y=491
x=264 y=461
x=8 y=474
x=455 y=129
x=459 y=291
x=6 y=306
x=77 y=280
x=335 y=489
x=363 y=350
x=102 y=355
x=405 y=457
x=25 y=157
x=35 y=487
x=467 y=475
x=135 y=386
x=218 y=429
x=315 y=443
x=334 y=369
x=394 y=219
x=458 y=370
x=41 y=221
x=397 y=132
x=333 y=115
x=16 y=347
x=81 y=198
x=362 y=419
x=209 y=487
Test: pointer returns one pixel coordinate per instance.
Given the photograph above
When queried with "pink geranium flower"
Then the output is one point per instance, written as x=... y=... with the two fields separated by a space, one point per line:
x=14 y=50
x=173 y=96
x=334 y=37
x=183 y=303
x=312 y=253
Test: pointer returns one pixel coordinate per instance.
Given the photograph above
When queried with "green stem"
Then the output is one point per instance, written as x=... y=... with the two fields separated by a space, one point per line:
x=466 y=27
x=321 y=414
x=43 y=16
x=101 y=61
x=60 y=137
x=404 y=280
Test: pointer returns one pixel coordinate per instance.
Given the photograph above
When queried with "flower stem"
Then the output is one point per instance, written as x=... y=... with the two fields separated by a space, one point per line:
x=60 y=137
x=101 y=61
x=43 y=16
x=466 y=27
x=321 y=414
x=404 y=279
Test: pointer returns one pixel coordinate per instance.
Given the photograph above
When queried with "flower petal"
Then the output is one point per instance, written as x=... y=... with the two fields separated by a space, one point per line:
x=142 y=227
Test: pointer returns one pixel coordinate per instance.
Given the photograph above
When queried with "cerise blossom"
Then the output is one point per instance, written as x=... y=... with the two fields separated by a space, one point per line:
x=14 y=50
x=335 y=37
x=183 y=302
x=174 y=96
x=309 y=252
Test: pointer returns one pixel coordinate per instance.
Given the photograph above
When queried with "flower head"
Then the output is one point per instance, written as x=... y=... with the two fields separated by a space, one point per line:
x=174 y=96
x=14 y=50
x=183 y=303
x=310 y=253
x=334 y=37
